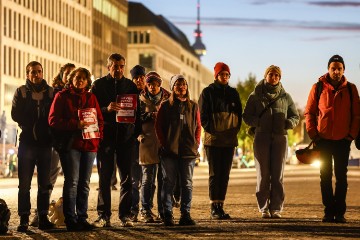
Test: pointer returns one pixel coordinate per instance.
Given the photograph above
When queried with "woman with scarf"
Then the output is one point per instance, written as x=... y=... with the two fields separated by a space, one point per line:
x=272 y=111
x=77 y=111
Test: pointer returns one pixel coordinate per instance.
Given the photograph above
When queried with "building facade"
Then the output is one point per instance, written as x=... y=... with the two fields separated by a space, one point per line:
x=158 y=45
x=52 y=32
x=110 y=20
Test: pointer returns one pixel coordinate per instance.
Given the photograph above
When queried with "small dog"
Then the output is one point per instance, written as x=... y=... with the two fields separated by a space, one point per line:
x=56 y=214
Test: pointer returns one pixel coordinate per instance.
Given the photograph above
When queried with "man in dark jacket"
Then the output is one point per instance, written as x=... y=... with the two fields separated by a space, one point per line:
x=119 y=141
x=220 y=112
x=30 y=109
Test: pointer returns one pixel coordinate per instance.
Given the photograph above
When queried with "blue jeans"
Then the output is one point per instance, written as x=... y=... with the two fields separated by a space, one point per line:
x=29 y=156
x=148 y=187
x=77 y=173
x=171 y=167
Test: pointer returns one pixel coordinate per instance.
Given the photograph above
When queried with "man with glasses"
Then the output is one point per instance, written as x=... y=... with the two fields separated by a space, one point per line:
x=118 y=142
x=220 y=112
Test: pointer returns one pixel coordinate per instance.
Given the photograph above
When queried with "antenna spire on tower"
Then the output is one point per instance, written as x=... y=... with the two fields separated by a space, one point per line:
x=198 y=46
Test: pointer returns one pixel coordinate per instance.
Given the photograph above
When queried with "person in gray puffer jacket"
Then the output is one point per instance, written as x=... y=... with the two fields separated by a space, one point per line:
x=270 y=140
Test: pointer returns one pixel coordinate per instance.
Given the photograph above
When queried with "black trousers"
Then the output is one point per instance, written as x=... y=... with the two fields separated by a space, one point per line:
x=123 y=153
x=220 y=162
x=337 y=150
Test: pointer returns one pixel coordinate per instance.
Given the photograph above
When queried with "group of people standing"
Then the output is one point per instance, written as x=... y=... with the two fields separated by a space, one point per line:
x=76 y=121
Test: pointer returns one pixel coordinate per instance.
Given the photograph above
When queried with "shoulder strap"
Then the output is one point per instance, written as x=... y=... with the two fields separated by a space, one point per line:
x=23 y=91
x=318 y=90
x=271 y=103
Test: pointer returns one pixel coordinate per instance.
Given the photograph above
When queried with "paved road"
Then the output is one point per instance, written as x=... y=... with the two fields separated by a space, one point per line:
x=301 y=216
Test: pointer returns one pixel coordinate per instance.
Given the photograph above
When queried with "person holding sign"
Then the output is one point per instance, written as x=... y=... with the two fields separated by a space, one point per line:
x=118 y=100
x=75 y=109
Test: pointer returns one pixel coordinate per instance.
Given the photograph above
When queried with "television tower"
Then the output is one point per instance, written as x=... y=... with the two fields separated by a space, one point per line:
x=198 y=46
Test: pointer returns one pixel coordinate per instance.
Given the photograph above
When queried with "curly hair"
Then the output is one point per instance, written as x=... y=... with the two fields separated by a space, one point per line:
x=57 y=81
x=71 y=76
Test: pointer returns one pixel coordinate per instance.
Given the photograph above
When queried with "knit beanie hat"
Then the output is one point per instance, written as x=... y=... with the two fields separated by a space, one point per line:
x=136 y=71
x=219 y=67
x=153 y=76
x=173 y=80
x=272 y=68
x=336 y=58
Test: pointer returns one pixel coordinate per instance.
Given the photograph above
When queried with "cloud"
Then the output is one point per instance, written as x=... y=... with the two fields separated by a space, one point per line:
x=327 y=38
x=316 y=3
x=267 y=23
x=335 y=4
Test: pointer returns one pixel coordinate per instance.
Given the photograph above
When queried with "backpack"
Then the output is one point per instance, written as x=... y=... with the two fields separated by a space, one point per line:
x=318 y=90
x=4 y=217
x=39 y=132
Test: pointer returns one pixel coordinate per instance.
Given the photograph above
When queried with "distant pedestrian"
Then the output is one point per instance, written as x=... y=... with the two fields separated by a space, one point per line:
x=119 y=139
x=278 y=114
x=30 y=109
x=178 y=130
x=221 y=112
x=66 y=115
x=332 y=120
x=150 y=99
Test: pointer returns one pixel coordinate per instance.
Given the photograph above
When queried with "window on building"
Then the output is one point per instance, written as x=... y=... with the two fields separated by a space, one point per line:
x=10 y=24
x=146 y=61
x=129 y=37
x=5 y=60
x=97 y=29
x=5 y=21
x=135 y=37
x=141 y=34
x=147 y=37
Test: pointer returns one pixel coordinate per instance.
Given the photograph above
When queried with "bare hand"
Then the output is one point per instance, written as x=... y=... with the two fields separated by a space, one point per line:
x=82 y=124
x=113 y=106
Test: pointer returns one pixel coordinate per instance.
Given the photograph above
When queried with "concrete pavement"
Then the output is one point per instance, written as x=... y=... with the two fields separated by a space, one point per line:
x=301 y=217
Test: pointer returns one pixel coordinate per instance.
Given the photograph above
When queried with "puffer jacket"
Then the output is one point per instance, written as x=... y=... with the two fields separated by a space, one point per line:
x=31 y=113
x=64 y=117
x=281 y=116
x=334 y=117
x=149 y=144
x=220 y=112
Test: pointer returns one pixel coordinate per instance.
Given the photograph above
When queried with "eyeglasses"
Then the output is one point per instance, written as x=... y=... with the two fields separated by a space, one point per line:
x=224 y=75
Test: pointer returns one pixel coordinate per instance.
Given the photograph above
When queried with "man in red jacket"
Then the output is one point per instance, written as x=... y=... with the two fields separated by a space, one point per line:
x=332 y=121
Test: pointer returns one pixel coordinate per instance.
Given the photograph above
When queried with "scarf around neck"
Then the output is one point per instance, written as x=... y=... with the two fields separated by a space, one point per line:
x=271 y=91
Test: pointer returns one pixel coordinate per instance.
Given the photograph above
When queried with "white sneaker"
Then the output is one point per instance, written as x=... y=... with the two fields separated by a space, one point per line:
x=126 y=222
x=275 y=214
x=265 y=214
x=101 y=222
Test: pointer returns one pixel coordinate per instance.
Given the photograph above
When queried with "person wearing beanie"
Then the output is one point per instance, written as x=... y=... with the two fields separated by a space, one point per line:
x=150 y=100
x=138 y=77
x=221 y=112
x=178 y=129
x=271 y=110
x=332 y=122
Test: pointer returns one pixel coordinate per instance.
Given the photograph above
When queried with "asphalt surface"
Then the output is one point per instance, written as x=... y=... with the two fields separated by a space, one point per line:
x=301 y=216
